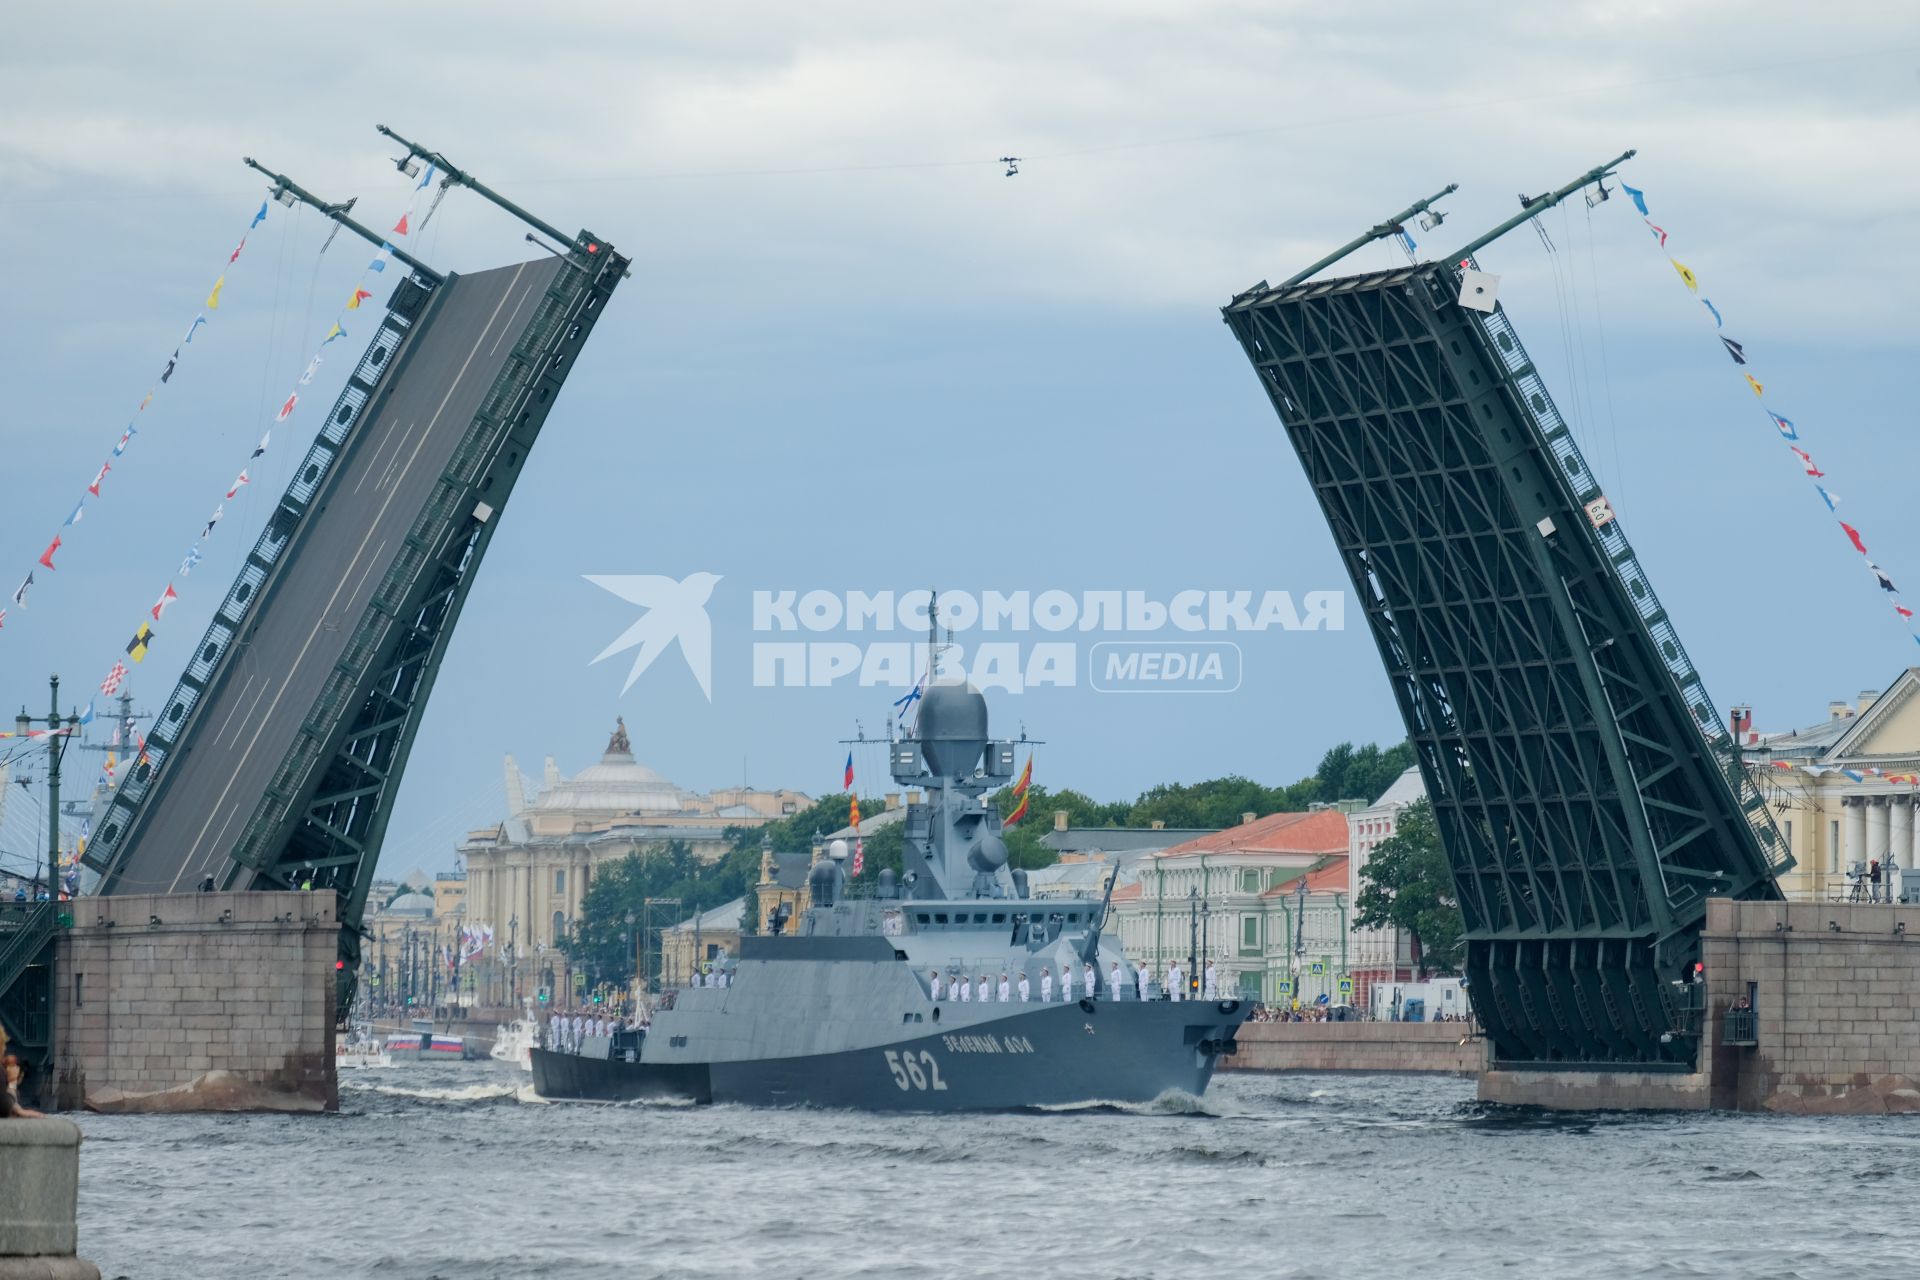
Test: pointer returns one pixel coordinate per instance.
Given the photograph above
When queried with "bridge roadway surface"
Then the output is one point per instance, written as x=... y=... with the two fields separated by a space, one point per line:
x=245 y=726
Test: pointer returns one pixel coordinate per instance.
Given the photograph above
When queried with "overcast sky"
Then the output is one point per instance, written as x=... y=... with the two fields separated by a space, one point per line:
x=854 y=356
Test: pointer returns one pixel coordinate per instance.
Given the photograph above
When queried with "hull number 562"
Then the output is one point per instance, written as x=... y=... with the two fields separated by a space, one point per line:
x=914 y=1070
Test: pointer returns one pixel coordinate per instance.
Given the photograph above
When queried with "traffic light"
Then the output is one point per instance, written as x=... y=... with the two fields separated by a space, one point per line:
x=1699 y=971
x=338 y=965
x=543 y=995
x=596 y=997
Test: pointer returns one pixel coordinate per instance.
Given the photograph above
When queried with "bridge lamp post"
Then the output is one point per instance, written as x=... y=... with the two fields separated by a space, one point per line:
x=1193 y=936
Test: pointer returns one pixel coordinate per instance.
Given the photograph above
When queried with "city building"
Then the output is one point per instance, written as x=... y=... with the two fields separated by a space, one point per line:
x=1237 y=896
x=1378 y=955
x=1843 y=791
x=528 y=874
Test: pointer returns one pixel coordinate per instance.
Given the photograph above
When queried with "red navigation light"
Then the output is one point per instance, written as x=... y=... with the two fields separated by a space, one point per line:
x=592 y=247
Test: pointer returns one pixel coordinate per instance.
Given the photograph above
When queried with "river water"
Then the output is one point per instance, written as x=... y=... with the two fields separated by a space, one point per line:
x=454 y=1170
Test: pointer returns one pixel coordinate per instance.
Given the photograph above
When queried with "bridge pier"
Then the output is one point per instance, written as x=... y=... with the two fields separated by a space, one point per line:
x=1832 y=991
x=198 y=1002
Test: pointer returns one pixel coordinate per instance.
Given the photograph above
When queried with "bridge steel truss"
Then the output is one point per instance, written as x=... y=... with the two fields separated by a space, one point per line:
x=324 y=814
x=1588 y=799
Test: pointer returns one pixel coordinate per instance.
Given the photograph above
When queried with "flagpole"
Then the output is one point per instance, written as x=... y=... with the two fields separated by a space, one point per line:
x=1530 y=209
x=461 y=177
x=1380 y=232
x=284 y=186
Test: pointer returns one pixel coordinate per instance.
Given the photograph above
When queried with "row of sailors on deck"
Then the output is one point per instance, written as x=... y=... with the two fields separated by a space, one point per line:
x=564 y=1034
x=965 y=990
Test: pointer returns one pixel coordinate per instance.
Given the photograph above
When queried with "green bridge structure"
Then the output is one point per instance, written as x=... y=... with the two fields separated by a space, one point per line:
x=1588 y=798
x=275 y=761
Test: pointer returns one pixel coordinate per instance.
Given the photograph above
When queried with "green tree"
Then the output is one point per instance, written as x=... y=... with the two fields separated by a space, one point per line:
x=605 y=944
x=1406 y=885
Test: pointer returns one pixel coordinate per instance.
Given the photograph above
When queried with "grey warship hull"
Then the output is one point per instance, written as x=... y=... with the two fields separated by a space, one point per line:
x=899 y=995
x=1058 y=1055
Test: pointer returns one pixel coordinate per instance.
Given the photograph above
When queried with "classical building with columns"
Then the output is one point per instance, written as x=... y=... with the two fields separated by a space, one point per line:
x=1843 y=791
x=528 y=874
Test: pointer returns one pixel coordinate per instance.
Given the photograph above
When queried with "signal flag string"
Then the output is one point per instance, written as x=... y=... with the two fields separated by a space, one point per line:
x=172 y=364
x=1788 y=431
x=144 y=634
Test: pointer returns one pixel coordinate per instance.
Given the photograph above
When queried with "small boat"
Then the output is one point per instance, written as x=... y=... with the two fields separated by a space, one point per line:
x=360 y=1052
x=423 y=1042
x=514 y=1042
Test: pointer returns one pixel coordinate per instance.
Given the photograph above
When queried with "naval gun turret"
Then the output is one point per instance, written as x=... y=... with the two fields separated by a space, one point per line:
x=953 y=845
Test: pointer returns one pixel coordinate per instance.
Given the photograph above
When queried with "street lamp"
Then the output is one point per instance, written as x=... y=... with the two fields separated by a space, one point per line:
x=1193 y=939
x=513 y=959
x=1206 y=949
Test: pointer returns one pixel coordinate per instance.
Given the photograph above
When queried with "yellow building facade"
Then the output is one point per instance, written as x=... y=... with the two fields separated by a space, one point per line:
x=1844 y=792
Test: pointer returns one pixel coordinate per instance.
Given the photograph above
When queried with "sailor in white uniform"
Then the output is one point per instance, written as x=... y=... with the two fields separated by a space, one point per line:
x=1025 y=990
x=1046 y=986
x=554 y=1032
x=579 y=1029
x=1140 y=977
x=933 y=983
x=1090 y=976
x=966 y=990
x=1211 y=988
x=986 y=990
x=1116 y=981
x=1066 y=984
x=1006 y=989
x=1176 y=981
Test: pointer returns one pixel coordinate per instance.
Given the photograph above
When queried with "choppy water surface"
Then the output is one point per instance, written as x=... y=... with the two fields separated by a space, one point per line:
x=453 y=1170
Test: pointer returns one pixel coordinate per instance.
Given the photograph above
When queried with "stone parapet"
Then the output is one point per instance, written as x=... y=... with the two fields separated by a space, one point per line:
x=39 y=1197
x=1415 y=1048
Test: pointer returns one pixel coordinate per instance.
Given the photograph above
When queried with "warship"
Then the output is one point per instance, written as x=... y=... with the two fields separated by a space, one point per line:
x=853 y=1003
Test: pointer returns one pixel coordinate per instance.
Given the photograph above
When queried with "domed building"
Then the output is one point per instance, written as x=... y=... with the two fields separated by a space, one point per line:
x=527 y=875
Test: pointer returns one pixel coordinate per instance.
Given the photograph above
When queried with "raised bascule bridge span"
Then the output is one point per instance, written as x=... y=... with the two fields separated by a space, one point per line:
x=276 y=759
x=1588 y=798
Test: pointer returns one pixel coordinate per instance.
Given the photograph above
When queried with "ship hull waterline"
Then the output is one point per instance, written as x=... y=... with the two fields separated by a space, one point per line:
x=1042 y=1056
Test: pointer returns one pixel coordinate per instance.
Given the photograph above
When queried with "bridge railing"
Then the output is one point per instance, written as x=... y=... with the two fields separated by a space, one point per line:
x=1531 y=392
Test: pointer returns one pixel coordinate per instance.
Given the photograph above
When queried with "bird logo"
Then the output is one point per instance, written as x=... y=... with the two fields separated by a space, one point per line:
x=675 y=610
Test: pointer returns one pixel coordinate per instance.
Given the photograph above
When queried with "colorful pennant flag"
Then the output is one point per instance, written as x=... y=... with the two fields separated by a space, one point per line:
x=1639 y=198
x=286 y=410
x=335 y=332
x=1718 y=323
x=94 y=488
x=1807 y=460
x=1853 y=536
x=1735 y=350
x=1686 y=273
x=240 y=482
x=425 y=178
x=262 y=446
x=188 y=565
x=214 y=520
x=167 y=597
x=1753 y=382
x=259 y=217
x=1658 y=234
x=848 y=784
x=1831 y=499
x=1786 y=427
x=20 y=592
x=213 y=298
x=313 y=367
x=1020 y=790
x=78 y=512
x=137 y=647
x=46 y=557
x=400 y=227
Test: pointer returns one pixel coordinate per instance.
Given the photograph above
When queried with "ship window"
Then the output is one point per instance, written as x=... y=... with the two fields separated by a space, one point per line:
x=999 y=917
x=940 y=918
x=906 y=1017
x=919 y=917
x=1073 y=917
x=979 y=917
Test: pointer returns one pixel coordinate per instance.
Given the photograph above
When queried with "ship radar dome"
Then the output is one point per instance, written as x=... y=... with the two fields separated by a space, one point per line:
x=953 y=728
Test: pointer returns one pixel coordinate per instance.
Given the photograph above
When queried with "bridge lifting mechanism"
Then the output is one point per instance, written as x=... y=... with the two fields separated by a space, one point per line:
x=1589 y=798
x=275 y=761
